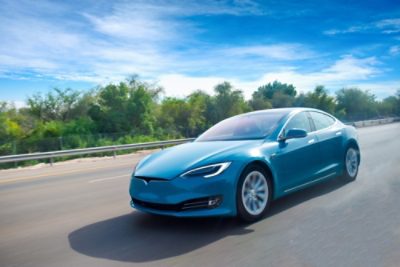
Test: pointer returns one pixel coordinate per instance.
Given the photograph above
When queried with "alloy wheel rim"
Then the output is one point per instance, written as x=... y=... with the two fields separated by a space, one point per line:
x=352 y=162
x=255 y=193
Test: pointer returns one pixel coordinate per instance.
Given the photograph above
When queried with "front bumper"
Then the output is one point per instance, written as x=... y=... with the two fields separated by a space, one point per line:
x=186 y=197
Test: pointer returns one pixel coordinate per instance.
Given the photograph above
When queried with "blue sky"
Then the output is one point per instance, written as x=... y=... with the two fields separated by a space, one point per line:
x=187 y=45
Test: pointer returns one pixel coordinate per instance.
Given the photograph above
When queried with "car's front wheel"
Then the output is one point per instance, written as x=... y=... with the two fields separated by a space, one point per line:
x=253 y=193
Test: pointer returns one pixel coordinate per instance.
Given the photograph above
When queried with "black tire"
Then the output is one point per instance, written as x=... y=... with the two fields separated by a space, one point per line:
x=349 y=173
x=242 y=211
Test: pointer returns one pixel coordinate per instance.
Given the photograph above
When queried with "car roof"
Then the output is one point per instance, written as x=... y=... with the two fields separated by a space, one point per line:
x=283 y=111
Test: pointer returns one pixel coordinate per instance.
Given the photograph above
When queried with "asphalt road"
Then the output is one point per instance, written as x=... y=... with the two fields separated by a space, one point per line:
x=78 y=214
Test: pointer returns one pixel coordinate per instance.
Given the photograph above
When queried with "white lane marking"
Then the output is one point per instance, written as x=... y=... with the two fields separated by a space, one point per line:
x=57 y=174
x=108 y=178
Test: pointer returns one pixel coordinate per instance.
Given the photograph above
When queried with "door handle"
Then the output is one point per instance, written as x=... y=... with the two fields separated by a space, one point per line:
x=338 y=133
x=311 y=141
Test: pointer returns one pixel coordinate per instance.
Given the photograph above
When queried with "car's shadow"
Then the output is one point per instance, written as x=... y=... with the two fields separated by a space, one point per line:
x=139 y=237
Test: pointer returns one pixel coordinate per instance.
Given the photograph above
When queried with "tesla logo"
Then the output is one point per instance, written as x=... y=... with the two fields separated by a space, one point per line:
x=145 y=182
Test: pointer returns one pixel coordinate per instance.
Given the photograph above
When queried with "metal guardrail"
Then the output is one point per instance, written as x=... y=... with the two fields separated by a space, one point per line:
x=367 y=123
x=91 y=150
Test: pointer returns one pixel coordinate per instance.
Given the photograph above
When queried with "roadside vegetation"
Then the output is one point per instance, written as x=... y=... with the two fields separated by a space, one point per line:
x=135 y=111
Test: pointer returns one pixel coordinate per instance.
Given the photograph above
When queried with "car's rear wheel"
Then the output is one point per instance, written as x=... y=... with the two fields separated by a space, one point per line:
x=351 y=163
x=253 y=193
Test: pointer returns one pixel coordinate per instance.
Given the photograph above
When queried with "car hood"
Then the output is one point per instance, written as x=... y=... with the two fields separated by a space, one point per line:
x=173 y=161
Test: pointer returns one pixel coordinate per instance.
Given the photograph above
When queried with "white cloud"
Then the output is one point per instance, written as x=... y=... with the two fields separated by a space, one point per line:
x=351 y=29
x=347 y=71
x=380 y=89
x=389 y=25
x=18 y=104
x=394 y=50
x=102 y=46
x=351 y=68
x=56 y=51
x=155 y=39
x=386 y=26
x=275 y=51
x=179 y=85
x=135 y=25
x=161 y=21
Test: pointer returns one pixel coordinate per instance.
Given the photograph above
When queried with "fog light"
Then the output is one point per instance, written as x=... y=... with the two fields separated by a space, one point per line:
x=214 y=201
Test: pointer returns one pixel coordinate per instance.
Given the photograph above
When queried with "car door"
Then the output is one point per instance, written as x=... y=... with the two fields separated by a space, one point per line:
x=297 y=159
x=330 y=136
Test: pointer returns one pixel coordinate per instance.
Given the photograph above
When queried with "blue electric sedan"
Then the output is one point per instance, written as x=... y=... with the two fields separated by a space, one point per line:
x=238 y=166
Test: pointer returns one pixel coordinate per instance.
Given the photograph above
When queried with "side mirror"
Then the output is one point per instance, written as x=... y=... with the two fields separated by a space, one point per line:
x=293 y=133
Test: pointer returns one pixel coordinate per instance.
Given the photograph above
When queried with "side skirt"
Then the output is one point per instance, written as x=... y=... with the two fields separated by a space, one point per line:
x=310 y=183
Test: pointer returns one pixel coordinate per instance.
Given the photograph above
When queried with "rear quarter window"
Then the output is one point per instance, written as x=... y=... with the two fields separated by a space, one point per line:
x=321 y=121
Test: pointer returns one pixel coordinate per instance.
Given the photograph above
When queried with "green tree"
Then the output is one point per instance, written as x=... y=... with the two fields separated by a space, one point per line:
x=132 y=111
x=259 y=104
x=390 y=106
x=356 y=104
x=58 y=104
x=200 y=105
x=174 y=116
x=227 y=102
x=128 y=106
x=277 y=93
x=318 y=99
x=10 y=129
x=185 y=117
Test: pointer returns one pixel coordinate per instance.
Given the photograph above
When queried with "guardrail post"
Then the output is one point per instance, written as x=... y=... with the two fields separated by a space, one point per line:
x=14 y=148
x=60 y=139
x=115 y=153
x=51 y=161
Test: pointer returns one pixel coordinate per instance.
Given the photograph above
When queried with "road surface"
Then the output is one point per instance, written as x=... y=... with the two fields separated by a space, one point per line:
x=78 y=214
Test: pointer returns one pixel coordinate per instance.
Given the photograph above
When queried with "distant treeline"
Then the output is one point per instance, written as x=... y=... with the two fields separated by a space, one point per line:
x=136 y=111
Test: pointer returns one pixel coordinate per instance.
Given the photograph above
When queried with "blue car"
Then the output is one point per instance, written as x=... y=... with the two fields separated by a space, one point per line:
x=238 y=166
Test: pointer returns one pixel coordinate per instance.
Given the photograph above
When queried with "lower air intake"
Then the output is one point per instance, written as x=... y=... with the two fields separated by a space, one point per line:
x=193 y=204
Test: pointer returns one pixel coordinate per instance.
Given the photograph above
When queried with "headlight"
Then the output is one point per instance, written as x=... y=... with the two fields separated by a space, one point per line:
x=207 y=171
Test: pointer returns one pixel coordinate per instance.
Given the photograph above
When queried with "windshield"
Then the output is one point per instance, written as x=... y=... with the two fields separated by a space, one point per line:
x=249 y=126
